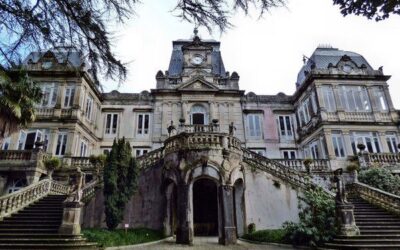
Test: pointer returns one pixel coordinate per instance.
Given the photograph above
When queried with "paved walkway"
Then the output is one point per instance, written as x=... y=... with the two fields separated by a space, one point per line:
x=208 y=243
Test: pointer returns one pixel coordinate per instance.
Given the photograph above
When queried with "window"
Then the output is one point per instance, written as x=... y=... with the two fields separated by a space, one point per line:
x=69 y=96
x=89 y=107
x=198 y=115
x=61 y=143
x=285 y=126
x=140 y=151
x=289 y=154
x=303 y=112
x=84 y=149
x=314 y=150
x=338 y=145
x=254 y=125
x=143 y=124
x=111 y=124
x=6 y=143
x=21 y=140
x=354 y=98
x=391 y=140
x=369 y=139
x=380 y=100
x=49 y=95
x=329 y=98
x=106 y=151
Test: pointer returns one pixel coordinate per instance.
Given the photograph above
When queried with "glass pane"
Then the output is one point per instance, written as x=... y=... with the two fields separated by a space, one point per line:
x=140 y=124
x=115 y=122
x=282 y=125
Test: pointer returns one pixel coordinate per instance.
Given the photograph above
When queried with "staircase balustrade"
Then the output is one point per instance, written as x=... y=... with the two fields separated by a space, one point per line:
x=318 y=165
x=14 y=202
x=378 y=197
x=151 y=158
x=198 y=128
x=389 y=158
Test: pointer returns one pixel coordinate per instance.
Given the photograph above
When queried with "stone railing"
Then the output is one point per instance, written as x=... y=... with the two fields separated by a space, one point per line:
x=150 y=159
x=377 y=197
x=44 y=112
x=14 y=202
x=89 y=190
x=12 y=155
x=275 y=168
x=388 y=158
x=198 y=128
x=317 y=165
x=200 y=141
x=358 y=116
x=74 y=162
x=66 y=112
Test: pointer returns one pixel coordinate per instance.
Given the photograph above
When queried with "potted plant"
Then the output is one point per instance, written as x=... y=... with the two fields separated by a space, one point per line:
x=361 y=147
x=51 y=164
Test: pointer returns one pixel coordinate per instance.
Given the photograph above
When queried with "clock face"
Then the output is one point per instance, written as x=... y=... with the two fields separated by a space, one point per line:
x=196 y=60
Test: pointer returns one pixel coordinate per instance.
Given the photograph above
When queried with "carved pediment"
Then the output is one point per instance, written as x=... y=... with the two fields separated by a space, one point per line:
x=198 y=84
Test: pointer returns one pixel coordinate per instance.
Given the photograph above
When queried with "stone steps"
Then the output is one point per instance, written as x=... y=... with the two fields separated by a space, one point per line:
x=379 y=229
x=36 y=227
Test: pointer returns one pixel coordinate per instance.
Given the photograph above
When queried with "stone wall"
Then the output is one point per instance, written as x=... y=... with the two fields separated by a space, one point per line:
x=145 y=209
x=268 y=205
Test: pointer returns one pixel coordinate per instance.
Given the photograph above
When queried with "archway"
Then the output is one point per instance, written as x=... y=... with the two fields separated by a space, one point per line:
x=239 y=207
x=205 y=207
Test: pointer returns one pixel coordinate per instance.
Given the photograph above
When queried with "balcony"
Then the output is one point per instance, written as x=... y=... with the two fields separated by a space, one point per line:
x=357 y=116
x=317 y=165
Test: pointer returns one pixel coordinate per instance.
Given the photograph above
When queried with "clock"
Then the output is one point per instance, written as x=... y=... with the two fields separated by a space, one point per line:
x=196 y=60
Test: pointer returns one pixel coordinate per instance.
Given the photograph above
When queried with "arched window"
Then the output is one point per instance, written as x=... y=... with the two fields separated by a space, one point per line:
x=198 y=115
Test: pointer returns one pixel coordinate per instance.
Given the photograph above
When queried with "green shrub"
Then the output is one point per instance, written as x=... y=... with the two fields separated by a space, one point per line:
x=353 y=167
x=118 y=237
x=381 y=178
x=52 y=163
x=317 y=219
x=251 y=228
x=268 y=235
x=120 y=181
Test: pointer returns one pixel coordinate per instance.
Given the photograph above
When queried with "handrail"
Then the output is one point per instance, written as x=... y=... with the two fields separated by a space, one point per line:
x=279 y=170
x=14 y=202
x=85 y=193
x=378 y=197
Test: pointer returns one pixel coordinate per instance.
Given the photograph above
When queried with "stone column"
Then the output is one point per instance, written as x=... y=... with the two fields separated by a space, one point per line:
x=347 y=142
x=70 y=143
x=184 y=112
x=71 y=218
x=51 y=148
x=382 y=139
x=227 y=227
x=57 y=108
x=320 y=102
x=184 y=231
x=329 y=144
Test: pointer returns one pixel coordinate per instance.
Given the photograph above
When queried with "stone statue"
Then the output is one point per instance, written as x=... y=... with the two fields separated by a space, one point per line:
x=171 y=129
x=232 y=129
x=79 y=183
x=341 y=191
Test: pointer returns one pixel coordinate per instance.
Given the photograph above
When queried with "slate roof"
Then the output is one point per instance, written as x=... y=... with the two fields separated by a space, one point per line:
x=322 y=57
x=176 y=62
x=74 y=58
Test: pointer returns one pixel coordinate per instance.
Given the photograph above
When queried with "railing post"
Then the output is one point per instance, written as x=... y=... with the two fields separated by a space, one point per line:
x=71 y=218
x=344 y=209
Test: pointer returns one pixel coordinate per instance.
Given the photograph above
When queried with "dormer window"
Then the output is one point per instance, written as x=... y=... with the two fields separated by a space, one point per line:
x=47 y=64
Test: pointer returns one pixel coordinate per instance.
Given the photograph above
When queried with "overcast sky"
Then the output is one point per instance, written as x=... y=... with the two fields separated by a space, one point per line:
x=266 y=53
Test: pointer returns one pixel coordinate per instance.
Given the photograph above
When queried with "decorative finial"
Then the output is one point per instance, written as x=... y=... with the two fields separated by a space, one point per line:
x=195 y=31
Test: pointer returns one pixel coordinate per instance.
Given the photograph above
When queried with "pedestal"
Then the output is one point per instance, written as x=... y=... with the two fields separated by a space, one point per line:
x=71 y=218
x=346 y=221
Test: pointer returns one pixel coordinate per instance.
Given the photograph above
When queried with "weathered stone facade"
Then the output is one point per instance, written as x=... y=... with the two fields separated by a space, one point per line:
x=196 y=125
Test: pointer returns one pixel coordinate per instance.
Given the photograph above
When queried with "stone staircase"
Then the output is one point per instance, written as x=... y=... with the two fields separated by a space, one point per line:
x=379 y=229
x=36 y=227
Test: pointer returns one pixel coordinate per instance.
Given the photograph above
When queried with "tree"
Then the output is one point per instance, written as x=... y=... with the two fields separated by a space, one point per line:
x=18 y=96
x=85 y=25
x=120 y=181
x=381 y=178
x=372 y=9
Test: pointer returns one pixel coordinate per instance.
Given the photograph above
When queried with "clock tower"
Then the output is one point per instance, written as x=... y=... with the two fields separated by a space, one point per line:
x=196 y=59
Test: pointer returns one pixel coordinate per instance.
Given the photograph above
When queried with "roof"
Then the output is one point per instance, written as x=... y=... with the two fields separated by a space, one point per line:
x=74 y=58
x=322 y=58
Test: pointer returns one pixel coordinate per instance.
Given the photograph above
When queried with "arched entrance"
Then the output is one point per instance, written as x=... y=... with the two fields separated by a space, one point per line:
x=205 y=207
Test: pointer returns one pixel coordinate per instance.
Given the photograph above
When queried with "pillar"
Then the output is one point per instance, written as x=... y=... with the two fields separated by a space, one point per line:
x=71 y=223
x=347 y=142
x=184 y=230
x=227 y=229
x=382 y=139
x=345 y=220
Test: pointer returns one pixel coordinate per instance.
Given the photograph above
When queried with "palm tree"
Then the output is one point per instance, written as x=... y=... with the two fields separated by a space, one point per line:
x=18 y=96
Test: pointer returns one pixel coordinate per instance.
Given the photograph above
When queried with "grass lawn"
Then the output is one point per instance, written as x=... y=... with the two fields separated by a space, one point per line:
x=270 y=235
x=119 y=237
